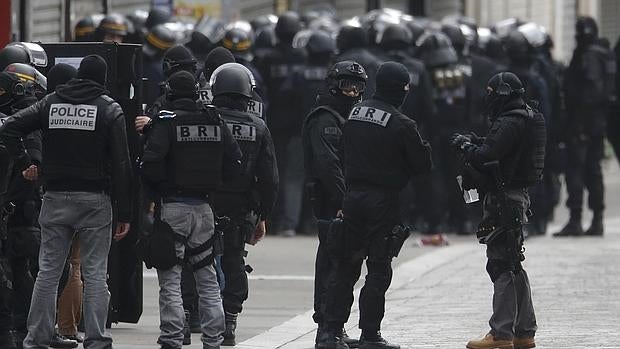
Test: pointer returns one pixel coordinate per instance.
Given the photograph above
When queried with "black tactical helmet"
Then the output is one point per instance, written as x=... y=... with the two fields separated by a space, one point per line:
x=351 y=37
x=157 y=16
x=535 y=34
x=112 y=24
x=454 y=33
x=288 y=25
x=265 y=38
x=505 y=84
x=232 y=78
x=239 y=42
x=158 y=40
x=320 y=43
x=85 y=29
x=395 y=37
x=586 y=30
x=176 y=58
x=416 y=30
x=31 y=82
x=435 y=50
x=13 y=54
x=490 y=44
x=346 y=75
x=261 y=22
x=181 y=84
x=517 y=47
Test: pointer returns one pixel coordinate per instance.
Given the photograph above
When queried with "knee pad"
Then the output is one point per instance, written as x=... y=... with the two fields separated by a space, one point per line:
x=496 y=267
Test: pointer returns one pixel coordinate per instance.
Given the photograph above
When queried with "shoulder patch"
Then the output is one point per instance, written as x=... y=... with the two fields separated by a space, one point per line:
x=82 y=117
x=332 y=131
x=166 y=114
x=371 y=115
x=242 y=132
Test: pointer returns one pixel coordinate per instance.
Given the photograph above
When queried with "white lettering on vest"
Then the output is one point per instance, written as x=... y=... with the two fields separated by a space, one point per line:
x=198 y=133
x=369 y=114
x=81 y=117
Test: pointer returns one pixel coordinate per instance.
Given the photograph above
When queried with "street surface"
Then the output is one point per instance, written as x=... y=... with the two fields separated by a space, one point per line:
x=440 y=296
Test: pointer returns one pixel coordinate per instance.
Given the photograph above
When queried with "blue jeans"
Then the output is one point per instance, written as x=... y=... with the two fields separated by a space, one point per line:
x=196 y=223
x=64 y=214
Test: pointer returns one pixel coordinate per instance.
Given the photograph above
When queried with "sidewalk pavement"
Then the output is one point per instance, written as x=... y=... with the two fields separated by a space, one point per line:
x=443 y=299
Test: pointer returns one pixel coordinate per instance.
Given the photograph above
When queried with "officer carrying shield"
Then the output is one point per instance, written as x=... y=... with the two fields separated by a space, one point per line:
x=84 y=150
x=382 y=150
x=508 y=161
x=189 y=152
x=249 y=199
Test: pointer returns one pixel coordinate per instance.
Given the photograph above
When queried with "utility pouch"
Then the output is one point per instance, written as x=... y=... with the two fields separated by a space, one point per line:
x=158 y=249
x=399 y=234
x=334 y=231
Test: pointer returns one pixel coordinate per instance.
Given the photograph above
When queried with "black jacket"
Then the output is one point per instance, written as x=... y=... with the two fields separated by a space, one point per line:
x=382 y=147
x=74 y=159
x=256 y=187
x=321 y=137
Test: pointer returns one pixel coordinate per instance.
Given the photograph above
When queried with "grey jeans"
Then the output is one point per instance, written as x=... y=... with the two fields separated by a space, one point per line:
x=194 y=221
x=64 y=214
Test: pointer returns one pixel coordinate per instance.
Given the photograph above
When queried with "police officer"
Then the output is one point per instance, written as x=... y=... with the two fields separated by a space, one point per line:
x=352 y=43
x=84 y=149
x=249 y=199
x=112 y=28
x=158 y=40
x=511 y=157
x=179 y=137
x=589 y=91
x=276 y=67
x=382 y=150
x=321 y=135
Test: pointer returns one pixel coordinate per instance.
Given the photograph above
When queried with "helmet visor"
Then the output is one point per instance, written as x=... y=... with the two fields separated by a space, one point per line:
x=348 y=85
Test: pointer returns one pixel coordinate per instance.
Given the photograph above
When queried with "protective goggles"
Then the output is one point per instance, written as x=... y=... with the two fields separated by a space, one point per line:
x=347 y=85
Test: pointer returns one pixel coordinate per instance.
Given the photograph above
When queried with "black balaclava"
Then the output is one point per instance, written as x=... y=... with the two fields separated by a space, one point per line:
x=586 y=31
x=178 y=58
x=233 y=101
x=182 y=85
x=391 y=83
x=215 y=58
x=7 y=81
x=59 y=74
x=93 y=68
x=495 y=102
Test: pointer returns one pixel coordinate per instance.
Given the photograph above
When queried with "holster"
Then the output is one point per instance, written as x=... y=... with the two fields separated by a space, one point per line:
x=335 y=233
x=158 y=249
x=397 y=238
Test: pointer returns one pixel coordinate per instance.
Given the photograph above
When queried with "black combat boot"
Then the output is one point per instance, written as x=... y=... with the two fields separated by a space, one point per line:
x=572 y=228
x=321 y=332
x=229 y=333
x=351 y=342
x=596 y=229
x=187 y=334
x=373 y=340
x=330 y=339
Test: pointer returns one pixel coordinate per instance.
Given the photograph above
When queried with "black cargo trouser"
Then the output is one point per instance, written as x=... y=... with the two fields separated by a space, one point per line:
x=584 y=172
x=370 y=216
x=324 y=210
x=235 y=291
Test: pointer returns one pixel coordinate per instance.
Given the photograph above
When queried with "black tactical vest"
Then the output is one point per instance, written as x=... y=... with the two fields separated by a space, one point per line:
x=249 y=132
x=196 y=154
x=526 y=168
x=75 y=139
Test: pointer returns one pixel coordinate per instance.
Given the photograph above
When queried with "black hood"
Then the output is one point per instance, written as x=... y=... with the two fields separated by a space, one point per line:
x=80 y=90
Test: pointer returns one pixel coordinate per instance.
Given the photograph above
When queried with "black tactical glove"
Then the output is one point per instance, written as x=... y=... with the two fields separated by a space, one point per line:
x=457 y=140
